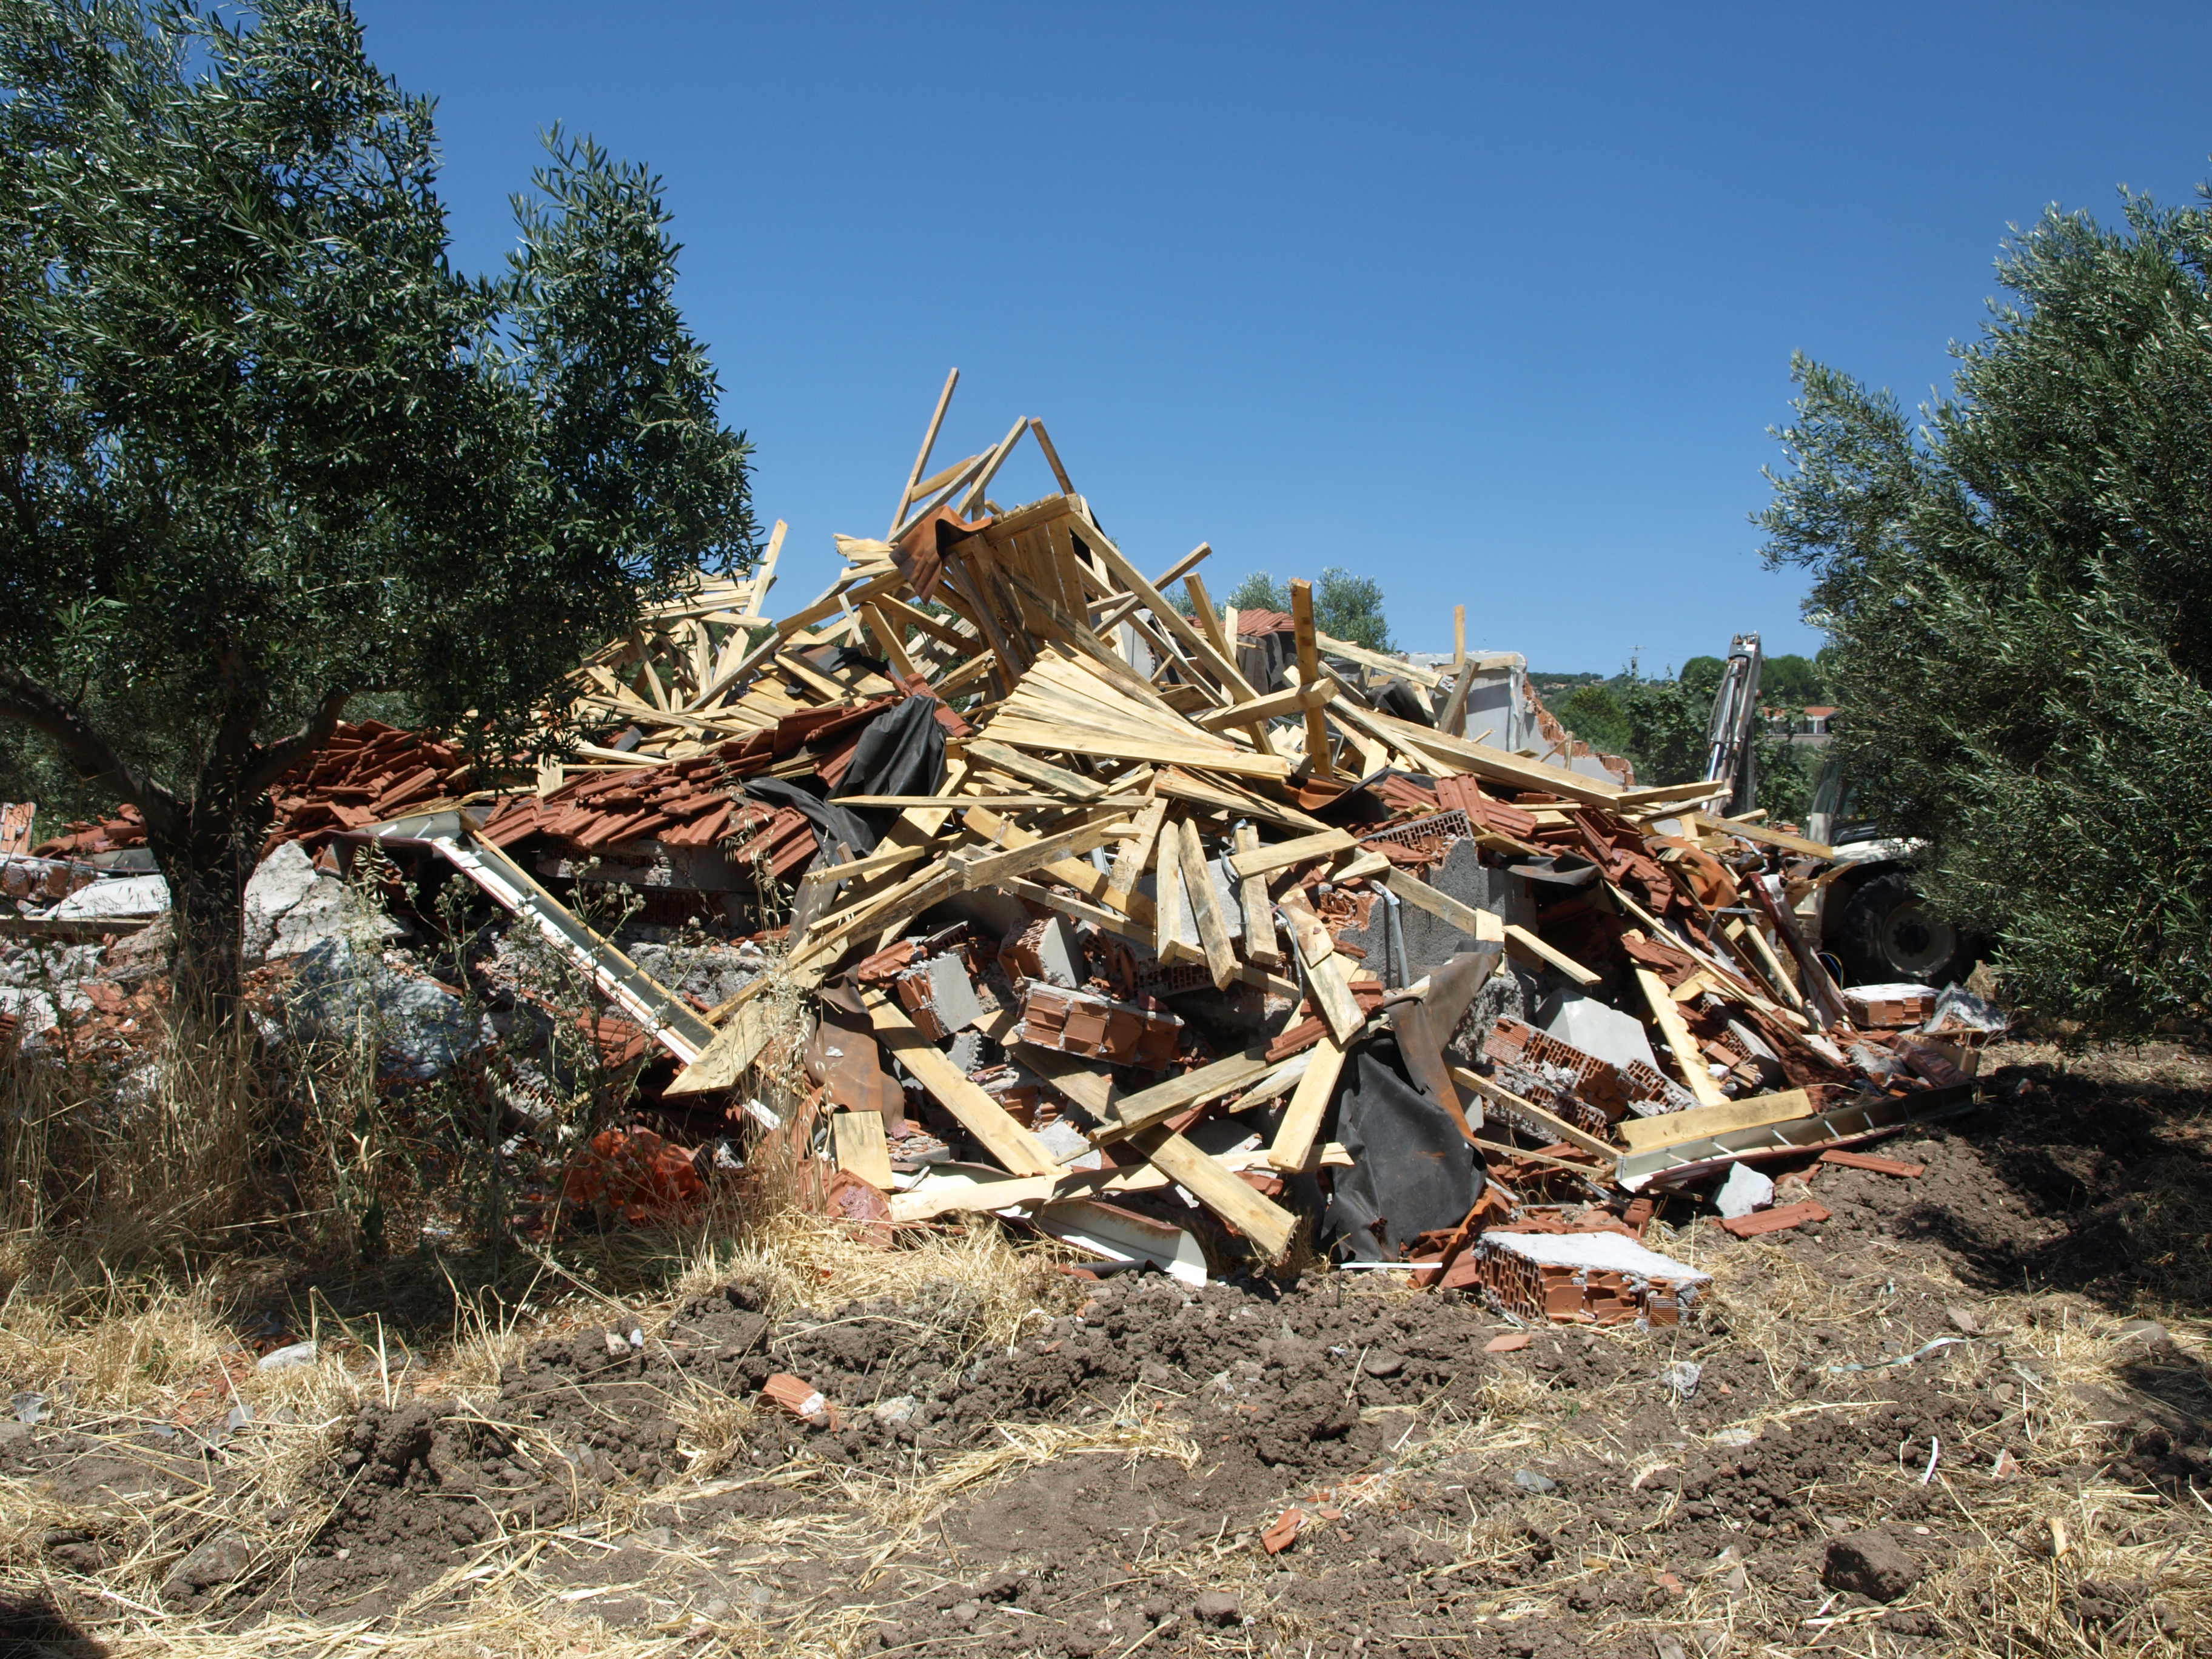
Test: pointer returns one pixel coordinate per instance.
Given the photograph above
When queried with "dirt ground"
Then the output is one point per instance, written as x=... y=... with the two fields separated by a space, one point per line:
x=1999 y=1364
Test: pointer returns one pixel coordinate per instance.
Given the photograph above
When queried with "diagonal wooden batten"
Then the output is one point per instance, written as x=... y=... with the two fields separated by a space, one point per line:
x=1205 y=908
x=1006 y=1139
x=921 y=456
x=1493 y=765
x=1269 y=1226
x=1062 y=706
x=1296 y=1136
x=1163 y=1100
x=1327 y=975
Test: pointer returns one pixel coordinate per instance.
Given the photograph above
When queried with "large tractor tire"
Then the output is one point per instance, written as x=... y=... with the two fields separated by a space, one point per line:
x=1887 y=935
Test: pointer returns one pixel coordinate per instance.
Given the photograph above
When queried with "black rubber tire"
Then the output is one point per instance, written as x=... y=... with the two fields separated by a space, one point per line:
x=1887 y=935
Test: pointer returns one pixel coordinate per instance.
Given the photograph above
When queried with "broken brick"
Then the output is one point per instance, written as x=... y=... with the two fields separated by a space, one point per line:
x=1778 y=1220
x=1888 y=1166
x=1080 y=1022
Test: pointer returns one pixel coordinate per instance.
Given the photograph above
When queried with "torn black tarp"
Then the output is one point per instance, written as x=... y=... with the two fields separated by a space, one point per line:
x=899 y=752
x=1412 y=1170
x=858 y=832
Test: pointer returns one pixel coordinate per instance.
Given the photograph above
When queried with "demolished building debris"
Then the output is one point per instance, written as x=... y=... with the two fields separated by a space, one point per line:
x=1175 y=933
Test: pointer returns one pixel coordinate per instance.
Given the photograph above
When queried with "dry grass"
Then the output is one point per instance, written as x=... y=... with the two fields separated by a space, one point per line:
x=129 y=1351
x=129 y=1153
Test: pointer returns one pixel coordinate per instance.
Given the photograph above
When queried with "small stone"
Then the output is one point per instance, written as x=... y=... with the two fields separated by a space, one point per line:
x=1215 y=1607
x=221 y=1559
x=1530 y=1480
x=278 y=1359
x=1964 y=1319
x=1156 y=1608
x=895 y=1413
x=2147 y=1332
x=1871 y=1563
x=719 y=1609
x=1681 y=1376
x=964 y=1614
x=1383 y=1363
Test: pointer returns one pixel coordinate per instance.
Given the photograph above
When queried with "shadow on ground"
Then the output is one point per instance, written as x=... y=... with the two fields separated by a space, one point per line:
x=2094 y=1176
x=32 y=1628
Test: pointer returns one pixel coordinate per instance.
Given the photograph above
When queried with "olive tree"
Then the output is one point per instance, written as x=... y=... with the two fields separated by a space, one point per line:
x=263 y=451
x=2018 y=588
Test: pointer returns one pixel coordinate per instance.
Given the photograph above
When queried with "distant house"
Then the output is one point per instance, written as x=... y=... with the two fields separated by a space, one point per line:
x=1807 y=725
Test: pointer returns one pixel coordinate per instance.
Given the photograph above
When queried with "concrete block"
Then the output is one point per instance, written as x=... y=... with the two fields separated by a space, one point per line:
x=1595 y=1027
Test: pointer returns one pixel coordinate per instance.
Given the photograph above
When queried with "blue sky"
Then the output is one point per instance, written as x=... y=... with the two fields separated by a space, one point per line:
x=1495 y=304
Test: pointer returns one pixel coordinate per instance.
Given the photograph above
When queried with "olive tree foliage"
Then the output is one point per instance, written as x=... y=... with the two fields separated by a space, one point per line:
x=2018 y=594
x=1346 y=606
x=264 y=451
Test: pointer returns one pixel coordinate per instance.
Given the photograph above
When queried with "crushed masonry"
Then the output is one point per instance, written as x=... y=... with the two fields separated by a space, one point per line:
x=1179 y=931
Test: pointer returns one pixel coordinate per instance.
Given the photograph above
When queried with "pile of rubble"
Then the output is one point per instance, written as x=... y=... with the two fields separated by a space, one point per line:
x=1177 y=932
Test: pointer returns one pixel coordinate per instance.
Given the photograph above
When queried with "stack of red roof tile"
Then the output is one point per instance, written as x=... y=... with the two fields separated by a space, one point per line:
x=695 y=802
x=364 y=774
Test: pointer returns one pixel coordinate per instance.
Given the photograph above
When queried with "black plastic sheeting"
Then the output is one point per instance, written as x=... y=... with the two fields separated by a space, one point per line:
x=1412 y=1170
x=899 y=752
x=1398 y=697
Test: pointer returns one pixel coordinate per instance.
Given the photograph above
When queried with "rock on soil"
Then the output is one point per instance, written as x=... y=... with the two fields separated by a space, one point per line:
x=1871 y=1564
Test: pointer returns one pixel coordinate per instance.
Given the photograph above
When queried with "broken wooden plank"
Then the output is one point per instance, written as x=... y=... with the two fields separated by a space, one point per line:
x=1266 y=1223
x=1136 y=851
x=1282 y=855
x=1302 y=1119
x=982 y=869
x=1644 y=1134
x=1689 y=1059
x=1174 y=930
x=1275 y=705
x=1495 y=765
x=921 y=456
x=1260 y=944
x=1524 y=944
x=1205 y=907
x=1328 y=976
x=1148 y=1106
x=750 y=1028
x=1766 y=837
x=860 y=1146
x=1474 y=923
x=1014 y=1146
x=1302 y=626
